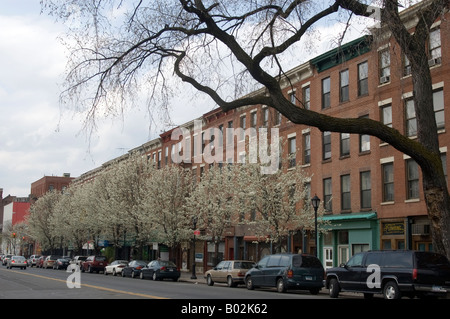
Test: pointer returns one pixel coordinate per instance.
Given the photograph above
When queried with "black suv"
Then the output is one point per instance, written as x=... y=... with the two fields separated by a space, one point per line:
x=287 y=271
x=391 y=273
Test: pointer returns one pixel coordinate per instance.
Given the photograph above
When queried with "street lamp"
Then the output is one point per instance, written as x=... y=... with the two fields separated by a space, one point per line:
x=315 y=201
x=193 y=276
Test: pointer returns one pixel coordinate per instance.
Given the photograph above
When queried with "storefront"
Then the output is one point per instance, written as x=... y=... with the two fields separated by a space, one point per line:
x=347 y=235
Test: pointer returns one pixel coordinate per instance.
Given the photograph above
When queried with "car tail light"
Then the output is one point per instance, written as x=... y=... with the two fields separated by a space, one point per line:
x=121 y=266
x=162 y=268
x=139 y=267
x=414 y=274
x=241 y=274
x=290 y=273
x=13 y=261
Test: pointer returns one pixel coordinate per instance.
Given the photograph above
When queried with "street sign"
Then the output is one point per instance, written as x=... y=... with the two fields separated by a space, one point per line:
x=196 y=232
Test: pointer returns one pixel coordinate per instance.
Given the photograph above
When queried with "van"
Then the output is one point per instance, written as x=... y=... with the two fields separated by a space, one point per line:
x=287 y=271
x=391 y=273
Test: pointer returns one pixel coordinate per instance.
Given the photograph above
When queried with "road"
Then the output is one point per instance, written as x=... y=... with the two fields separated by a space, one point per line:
x=35 y=283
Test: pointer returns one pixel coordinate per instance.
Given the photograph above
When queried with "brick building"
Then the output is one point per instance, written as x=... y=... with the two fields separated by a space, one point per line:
x=372 y=193
x=49 y=183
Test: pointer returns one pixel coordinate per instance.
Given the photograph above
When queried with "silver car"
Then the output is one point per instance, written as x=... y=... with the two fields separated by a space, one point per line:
x=17 y=261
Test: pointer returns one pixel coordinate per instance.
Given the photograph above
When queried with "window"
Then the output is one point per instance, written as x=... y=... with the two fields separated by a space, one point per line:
x=326 y=102
x=438 y=106
x=221 y=135
x=277 y=118
x=166 y=155
x=230 y=135
x=253 y=119
x=364 y=140
x=306 y=97
x=327 y=201
x=343 y=84
x=292 y=97
x=384 y=58
x=243 y=126
x=345 y=192
x=366 y=190
x=326 y=137
x=406 y=66
x=410 y=117
x=435 y=46
x=265 y=117
x=386 y=115
x=345 y=144
x=292 y=145
x=363 y=74
x=412 y=177
x=159 y=159
x=306 y=148
x=388 y=182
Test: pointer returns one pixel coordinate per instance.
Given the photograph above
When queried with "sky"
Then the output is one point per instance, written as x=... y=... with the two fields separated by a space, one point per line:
x=37 y=136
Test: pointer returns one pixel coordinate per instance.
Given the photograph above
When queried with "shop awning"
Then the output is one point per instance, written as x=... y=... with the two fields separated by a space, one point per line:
x=351 y=216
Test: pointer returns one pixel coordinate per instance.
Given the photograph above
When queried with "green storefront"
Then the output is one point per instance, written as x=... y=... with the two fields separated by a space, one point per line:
x=347 y=235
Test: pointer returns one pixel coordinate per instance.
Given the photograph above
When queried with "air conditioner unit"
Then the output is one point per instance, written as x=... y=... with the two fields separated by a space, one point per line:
x=435 y=61
x=385 y=79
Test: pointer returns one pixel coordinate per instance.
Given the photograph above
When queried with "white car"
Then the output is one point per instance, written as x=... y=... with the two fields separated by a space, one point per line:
x=17 y=261
x=115 y=267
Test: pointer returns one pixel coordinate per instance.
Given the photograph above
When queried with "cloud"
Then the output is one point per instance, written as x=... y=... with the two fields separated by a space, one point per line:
x=38 y=137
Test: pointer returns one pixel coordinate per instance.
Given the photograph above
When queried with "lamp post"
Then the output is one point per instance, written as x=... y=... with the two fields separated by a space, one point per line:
x=193 y=276
x=315 y=201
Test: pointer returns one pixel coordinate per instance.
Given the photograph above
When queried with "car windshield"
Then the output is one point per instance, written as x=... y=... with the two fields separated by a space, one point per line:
x=100 y=258
x=243 y=265
x=19 y=258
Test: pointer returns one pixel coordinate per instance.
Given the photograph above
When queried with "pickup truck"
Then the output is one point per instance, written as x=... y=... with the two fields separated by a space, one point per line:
x=94 y=263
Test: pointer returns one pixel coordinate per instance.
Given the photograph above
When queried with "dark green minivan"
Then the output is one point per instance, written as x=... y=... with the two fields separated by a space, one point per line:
x=287 y=271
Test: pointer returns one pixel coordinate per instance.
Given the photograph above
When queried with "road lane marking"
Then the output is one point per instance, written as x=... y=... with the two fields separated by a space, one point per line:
x=90 y=286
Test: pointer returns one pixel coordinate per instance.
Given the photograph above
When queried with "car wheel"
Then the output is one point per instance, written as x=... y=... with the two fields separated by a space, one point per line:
x=154 y=277
x=281 y=287
x=141 y=275
x=90 y=270
x=209 y=281
x=123 y=273
x=249 y=283
x=105 y=272
x=133 y=274
x=176 y=279
x=391 y=291
x=230 y=282
x=334 y=288
x=114 y=273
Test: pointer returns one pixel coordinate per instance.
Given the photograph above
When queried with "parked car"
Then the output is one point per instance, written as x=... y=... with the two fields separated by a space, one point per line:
x=133 y=269
x=391 y=273
x=61 y=263
x=40 y=261
x=32 y=260
x=94 y=263
x=49 y=261
x=161 y=269
x=77 y=260
x=5 y=259
x=287 y=271
x=17 y=261
x=115 y=267
x=231 y=272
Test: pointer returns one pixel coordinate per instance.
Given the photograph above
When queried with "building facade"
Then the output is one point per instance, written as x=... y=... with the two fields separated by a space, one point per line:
x=371 y=192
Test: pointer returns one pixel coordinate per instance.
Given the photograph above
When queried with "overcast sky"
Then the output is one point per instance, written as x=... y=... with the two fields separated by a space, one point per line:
x=39 y=139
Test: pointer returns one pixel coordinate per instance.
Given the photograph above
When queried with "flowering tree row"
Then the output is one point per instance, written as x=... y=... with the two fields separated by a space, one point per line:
x=131 y=198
